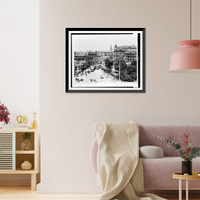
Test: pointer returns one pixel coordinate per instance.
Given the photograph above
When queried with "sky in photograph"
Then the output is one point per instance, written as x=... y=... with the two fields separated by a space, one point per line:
x=101 y=42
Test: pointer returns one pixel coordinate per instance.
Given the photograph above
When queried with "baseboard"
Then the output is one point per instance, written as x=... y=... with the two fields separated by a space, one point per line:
x=68 y=188
x=90 y=189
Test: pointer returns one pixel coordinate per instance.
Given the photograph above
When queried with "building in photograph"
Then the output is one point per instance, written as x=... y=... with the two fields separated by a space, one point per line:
x=80 y=55
x=91 y=55
x=126 y=51
x=104 y=53
x=130 y=55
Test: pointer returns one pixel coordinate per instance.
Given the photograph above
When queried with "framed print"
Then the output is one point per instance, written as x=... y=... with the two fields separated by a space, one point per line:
x=105 y=60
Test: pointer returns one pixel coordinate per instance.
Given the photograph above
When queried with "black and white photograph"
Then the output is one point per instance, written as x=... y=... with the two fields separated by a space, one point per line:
x=105 y=60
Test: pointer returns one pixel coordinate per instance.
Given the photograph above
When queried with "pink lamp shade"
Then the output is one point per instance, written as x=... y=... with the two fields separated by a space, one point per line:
x=186 y=57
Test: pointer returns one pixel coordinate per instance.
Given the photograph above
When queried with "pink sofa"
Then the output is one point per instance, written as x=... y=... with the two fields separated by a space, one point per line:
x=158 y=171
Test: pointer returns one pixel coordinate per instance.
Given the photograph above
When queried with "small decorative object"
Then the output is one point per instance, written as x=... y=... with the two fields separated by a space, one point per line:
x=26 y=165
x=22 y=120
x=34 y=123
x=186 y=151
x=105 y=60
x=26 y=144
x=4 y=114
x=194 y=173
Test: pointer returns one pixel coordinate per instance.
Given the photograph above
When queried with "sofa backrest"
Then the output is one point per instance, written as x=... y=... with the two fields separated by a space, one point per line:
x=149 y=136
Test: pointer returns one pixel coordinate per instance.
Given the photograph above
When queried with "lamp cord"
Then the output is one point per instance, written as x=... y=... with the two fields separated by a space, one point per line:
x=190 y=19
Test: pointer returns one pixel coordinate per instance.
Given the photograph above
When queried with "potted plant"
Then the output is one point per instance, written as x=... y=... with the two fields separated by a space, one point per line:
x=185 y=150
x=26 y=144
x=4 y=114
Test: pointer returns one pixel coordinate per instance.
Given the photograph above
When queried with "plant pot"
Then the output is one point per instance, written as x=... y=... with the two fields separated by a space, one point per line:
x=187 y=167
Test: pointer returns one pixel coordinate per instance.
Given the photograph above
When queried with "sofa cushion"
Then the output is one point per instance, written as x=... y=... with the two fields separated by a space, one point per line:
x=149 y=136
x=158 y=173
x=151 y=152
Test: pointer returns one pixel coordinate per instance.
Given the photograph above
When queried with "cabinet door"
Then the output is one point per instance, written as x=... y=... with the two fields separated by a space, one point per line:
x=7 y=151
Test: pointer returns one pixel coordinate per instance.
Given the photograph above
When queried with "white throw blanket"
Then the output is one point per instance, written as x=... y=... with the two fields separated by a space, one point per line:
x=118 y=164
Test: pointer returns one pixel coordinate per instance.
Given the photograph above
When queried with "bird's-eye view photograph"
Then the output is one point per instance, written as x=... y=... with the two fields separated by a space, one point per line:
x=105 y=59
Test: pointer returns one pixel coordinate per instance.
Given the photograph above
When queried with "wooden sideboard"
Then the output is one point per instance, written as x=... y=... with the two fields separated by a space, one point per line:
x=12 y=156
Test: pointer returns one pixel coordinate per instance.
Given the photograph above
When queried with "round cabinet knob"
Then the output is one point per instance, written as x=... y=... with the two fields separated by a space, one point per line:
x=26 y=165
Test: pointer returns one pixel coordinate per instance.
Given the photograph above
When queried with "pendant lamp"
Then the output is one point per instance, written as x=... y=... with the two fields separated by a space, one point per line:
x=188 y=56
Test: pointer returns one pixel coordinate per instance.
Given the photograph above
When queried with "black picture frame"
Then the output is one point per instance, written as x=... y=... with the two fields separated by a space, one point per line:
x=88 y=68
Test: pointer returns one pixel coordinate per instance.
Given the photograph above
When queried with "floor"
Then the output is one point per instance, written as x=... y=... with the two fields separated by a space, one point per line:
x=23 y=193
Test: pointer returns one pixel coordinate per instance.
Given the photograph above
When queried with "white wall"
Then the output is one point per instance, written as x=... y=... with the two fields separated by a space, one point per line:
x=67 y=119
x=19 y=63
x=19 y=57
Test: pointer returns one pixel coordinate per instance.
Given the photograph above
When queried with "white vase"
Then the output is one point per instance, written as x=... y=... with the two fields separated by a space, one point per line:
x=26 y=165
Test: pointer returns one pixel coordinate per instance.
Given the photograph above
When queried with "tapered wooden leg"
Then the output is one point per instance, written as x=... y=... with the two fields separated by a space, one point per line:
x=180 y=189
x=38 y=178
x=187 y=188
x=33 y=181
